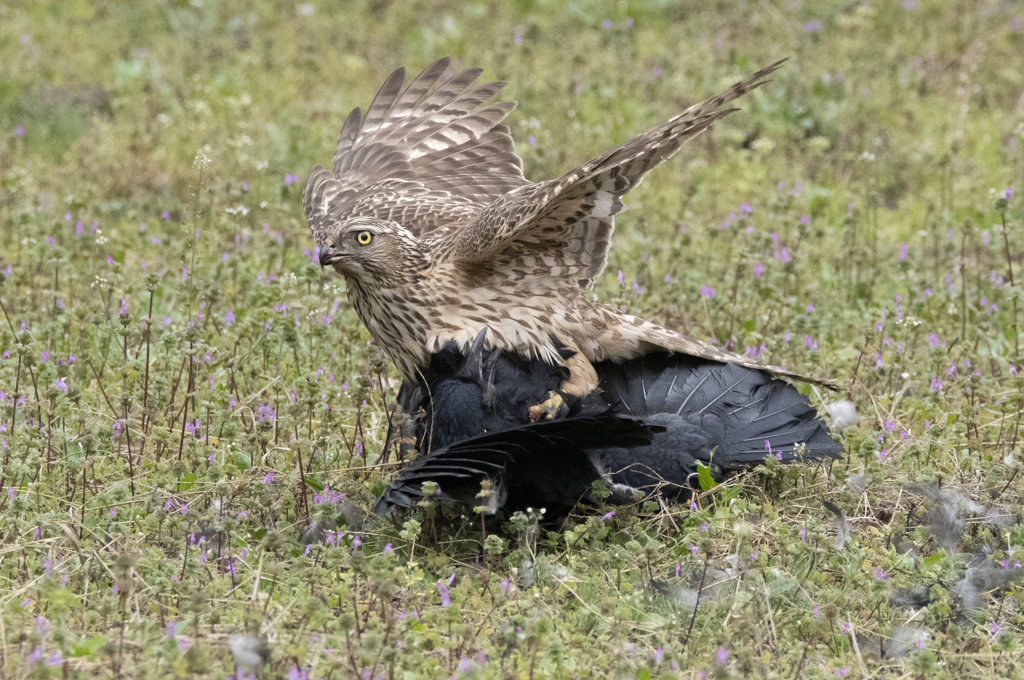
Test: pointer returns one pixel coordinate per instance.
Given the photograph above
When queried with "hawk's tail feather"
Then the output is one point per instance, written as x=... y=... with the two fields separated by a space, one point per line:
x=655 y=336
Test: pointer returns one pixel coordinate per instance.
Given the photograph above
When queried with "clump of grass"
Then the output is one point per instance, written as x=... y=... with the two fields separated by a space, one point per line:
x=192 y=418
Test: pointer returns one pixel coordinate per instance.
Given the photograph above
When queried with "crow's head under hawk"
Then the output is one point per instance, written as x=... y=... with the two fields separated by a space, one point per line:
x=427 y=215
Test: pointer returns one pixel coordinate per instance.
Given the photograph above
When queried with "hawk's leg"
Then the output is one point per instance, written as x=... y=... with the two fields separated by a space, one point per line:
x=582 y=378
x=549 y=409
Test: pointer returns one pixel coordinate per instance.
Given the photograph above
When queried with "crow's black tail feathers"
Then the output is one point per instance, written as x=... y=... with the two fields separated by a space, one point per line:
x=724 y=416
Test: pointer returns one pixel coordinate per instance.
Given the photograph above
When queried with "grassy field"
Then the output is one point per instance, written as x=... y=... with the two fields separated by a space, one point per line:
x=192 y=416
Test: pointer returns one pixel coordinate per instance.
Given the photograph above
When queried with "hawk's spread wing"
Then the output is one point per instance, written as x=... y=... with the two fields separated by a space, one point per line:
x=569 y=221
x=423 y=157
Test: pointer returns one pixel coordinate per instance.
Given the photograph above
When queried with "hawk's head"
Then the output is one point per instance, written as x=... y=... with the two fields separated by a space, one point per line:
x=377 y=252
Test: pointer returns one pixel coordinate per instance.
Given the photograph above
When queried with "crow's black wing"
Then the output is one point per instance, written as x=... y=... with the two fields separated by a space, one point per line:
x=545 y=464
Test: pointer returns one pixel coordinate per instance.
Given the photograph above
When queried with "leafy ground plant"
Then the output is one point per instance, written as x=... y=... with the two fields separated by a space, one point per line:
x=192 y=418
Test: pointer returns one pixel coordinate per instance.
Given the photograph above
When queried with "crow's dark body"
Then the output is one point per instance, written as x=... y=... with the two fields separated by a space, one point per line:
x=646 y=427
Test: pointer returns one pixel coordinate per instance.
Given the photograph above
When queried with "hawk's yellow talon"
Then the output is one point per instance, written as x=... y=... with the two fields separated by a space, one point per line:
x=552 y=407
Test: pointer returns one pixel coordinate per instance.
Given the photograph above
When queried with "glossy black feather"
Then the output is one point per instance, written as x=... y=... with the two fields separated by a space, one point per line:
x=649 y=423
x=545 y=464
x=725 y=416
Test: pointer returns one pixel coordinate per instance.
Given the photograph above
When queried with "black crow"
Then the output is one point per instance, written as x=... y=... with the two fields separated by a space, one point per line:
x=488 y=414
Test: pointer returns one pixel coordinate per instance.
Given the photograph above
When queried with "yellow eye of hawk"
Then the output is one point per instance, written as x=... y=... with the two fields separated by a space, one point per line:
x=364 y=238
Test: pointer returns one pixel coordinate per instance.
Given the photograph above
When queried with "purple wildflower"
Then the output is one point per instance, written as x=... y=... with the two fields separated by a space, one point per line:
x=266 y=413
x=328 y=497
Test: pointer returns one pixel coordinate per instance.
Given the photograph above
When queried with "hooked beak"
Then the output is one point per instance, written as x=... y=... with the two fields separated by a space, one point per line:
x=328 y=255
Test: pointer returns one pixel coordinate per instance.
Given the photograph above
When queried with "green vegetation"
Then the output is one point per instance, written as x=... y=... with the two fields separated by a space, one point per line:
x=184 y=391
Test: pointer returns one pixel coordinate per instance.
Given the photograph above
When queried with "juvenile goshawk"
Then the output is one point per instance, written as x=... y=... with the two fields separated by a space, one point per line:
x=427 y=215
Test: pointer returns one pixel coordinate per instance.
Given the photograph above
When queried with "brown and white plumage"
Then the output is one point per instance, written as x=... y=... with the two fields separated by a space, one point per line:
x=456 y=239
